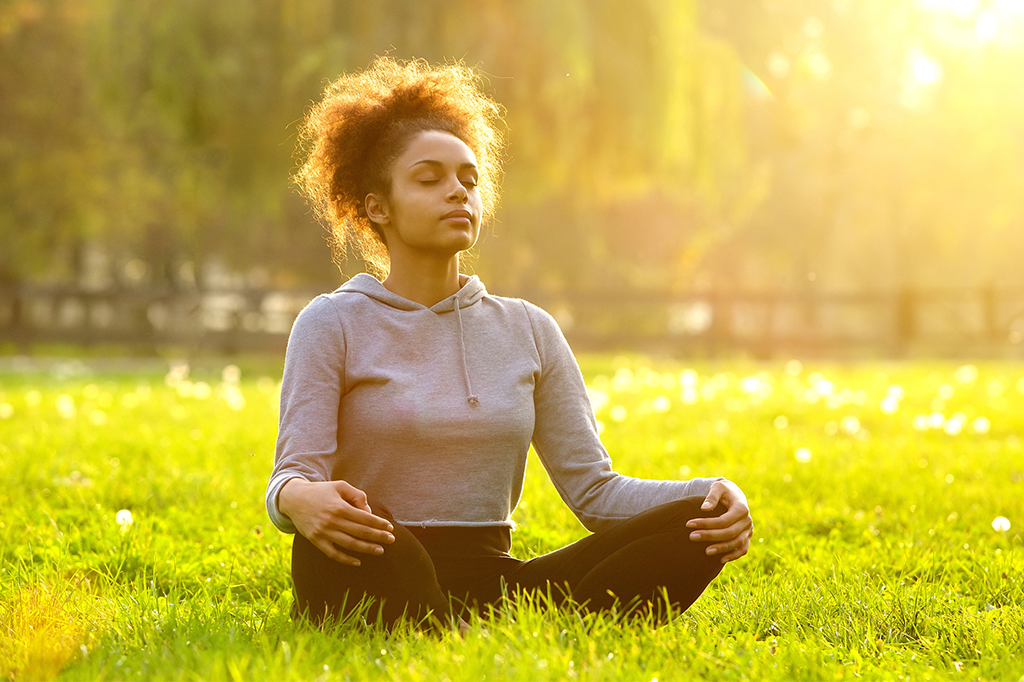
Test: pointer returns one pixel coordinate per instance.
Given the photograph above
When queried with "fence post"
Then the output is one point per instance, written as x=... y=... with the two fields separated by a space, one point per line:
x=990 y=313
x=906 y=319
x=721 y=323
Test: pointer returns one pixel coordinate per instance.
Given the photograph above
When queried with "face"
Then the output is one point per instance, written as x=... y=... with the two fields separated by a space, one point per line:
x=434 y=206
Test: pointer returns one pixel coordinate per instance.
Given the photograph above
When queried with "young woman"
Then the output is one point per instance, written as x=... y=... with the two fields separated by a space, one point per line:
x=409 y=403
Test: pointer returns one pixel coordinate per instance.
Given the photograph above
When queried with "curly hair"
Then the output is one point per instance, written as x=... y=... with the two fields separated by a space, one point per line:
x=349 y=141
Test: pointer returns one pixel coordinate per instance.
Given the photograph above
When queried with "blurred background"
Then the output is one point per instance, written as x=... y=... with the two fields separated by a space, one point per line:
x=765 y=177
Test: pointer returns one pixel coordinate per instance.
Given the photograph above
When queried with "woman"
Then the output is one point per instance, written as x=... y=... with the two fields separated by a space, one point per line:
x=408 y=405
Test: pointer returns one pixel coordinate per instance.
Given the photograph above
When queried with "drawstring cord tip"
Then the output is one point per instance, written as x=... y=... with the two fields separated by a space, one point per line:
x=473 y=400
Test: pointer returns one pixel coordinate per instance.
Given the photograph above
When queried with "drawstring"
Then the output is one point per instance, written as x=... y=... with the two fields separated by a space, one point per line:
x=471 y=399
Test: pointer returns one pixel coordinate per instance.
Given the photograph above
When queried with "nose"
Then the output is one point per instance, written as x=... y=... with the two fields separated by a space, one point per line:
x=458 y=192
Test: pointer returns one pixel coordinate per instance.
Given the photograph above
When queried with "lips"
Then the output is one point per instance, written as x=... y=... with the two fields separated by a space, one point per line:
x=458 y=213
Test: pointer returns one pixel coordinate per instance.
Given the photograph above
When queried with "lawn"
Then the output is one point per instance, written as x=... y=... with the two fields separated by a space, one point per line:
x=888 y=502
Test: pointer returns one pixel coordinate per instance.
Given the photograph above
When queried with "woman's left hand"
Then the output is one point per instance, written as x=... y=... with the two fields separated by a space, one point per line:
x=731 y=532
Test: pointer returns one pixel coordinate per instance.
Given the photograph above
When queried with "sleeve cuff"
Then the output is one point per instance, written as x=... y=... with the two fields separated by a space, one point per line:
x=283 y=523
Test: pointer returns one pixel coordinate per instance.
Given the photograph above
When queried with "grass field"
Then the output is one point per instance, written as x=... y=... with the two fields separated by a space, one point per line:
x=888 y=503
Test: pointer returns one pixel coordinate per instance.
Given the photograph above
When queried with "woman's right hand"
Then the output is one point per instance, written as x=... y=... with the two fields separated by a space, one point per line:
x=335 y=516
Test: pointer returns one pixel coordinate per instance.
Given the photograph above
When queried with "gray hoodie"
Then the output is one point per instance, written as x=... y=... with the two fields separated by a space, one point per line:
x=431 y=411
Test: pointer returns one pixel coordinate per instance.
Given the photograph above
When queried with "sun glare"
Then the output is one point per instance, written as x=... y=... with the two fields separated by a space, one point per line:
x=961 y=8
x=924 y=69
x=989 y=22
x=986 y=26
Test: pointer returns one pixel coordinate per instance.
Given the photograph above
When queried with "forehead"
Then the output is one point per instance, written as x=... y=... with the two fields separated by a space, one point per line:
x=436 y=145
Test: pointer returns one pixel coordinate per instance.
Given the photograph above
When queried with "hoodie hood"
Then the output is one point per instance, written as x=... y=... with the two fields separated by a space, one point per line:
x=471 y=292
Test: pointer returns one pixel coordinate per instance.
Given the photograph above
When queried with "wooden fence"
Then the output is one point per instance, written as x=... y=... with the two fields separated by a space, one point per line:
x=947 y=322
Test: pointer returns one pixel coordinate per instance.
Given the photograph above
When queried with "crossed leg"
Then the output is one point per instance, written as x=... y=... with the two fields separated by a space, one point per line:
x=634 y=566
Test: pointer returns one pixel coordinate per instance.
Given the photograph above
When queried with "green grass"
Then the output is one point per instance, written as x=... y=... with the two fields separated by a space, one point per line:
x=876 y=557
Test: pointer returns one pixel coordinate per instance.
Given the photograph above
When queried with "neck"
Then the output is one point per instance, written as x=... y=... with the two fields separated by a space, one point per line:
x=423 y=281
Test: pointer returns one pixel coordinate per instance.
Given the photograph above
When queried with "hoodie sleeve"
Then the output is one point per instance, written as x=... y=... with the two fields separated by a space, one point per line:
x=566 y=440
x=312 y=386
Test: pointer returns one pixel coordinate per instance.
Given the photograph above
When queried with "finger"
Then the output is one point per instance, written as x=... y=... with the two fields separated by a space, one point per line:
x=348 y=543
x=741 y=541
x=357 y=530
x=724 y=521
x=354 y=496
x=714 y=495
x=365 y=518
x=737 y=514
x=734 y=555
x=332 y=551
x=728 y=545
x=722 y=534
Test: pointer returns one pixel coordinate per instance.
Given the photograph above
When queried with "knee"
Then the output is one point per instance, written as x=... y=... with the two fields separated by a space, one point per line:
x=679 y=512
x=694 y=503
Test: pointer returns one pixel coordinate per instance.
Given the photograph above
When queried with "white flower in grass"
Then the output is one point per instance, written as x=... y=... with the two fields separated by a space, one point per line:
x=750 y=384
x=201 y=390
x=966 y=374
x=821 y=385
x=803 y=455
x=231 y=374
x=890 y=404
x=955 y=424
x=124 y=519
x=66 y=406
x=1001 y=524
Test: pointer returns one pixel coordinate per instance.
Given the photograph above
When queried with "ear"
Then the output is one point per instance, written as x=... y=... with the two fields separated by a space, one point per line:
x=377 y=209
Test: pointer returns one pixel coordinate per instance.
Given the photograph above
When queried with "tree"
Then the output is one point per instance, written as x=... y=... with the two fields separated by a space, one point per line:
x=894 y=138
x=625 y=126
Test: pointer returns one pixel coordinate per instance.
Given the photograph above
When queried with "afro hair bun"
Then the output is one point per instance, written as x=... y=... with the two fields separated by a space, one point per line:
x=349 y=140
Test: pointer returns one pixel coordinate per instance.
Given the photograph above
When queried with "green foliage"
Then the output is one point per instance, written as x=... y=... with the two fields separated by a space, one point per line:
x=874 y=553
x=164 y=131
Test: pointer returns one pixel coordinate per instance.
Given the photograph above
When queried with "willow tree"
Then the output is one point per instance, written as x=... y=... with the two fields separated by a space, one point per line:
x=625 y=127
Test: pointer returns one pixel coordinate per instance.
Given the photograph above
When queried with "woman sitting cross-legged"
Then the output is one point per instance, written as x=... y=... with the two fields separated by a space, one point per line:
x=409 y=403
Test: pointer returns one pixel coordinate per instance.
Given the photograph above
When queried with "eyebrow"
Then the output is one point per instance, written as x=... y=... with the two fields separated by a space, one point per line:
x=432 y=162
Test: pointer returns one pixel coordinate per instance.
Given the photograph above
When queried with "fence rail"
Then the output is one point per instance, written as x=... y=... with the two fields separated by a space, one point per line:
x=944 y=322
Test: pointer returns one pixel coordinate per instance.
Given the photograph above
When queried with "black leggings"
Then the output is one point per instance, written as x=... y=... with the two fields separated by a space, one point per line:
x=446 y=570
